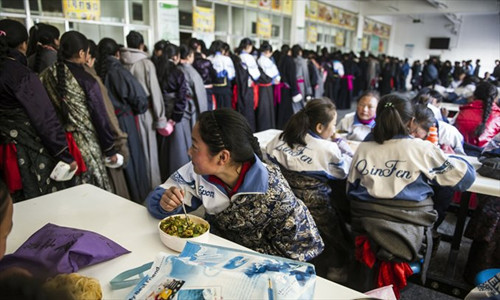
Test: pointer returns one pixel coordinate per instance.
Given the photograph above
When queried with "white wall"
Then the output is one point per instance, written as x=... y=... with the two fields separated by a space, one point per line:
x=479 y=38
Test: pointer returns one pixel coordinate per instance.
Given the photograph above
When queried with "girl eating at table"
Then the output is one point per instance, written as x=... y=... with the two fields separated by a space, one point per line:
x=311 y=162
x=246 y=201
x=389 y=188
x=360 y=123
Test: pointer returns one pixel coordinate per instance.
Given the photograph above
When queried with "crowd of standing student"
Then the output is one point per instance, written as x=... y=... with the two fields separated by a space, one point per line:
x=186 y=117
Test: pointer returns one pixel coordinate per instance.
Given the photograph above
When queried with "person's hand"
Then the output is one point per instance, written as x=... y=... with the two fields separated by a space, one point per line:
x=73 y=165
x=113 y=159
x=447 y=149
x=171 y=198
x=444 y=112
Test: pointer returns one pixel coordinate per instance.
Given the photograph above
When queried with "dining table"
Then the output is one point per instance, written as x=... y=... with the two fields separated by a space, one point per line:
x=125 y=222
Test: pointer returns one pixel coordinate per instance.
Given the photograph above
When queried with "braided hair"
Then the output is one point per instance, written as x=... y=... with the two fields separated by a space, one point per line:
x=41 y=35
x=106 y=47
x=227 y=129
x=72 y=42
x=487 y=93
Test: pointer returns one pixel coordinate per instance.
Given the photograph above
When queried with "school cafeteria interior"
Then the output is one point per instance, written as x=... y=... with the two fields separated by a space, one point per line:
x=404 y=37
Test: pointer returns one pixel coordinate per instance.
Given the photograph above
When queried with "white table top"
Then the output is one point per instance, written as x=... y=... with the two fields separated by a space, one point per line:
x=125 y=222
x=482 y=185
x=452 y=107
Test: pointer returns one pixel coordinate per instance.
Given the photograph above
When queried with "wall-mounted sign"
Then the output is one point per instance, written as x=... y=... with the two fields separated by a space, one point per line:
x=82 y=9
x=203 y=19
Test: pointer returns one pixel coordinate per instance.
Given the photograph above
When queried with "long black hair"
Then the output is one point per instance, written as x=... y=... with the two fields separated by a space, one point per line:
x=487 y=93
x=12 y=34
x=244 y=43
x=164 y=65
x=227 y=129
x=41 y=35
x=316 y=111
x=393 y=114
x=106 y=47
x=71 y=43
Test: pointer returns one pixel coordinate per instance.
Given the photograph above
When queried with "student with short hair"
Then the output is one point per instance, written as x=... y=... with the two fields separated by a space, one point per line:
x=246 y=201
x=359 y=124
x=153 y=121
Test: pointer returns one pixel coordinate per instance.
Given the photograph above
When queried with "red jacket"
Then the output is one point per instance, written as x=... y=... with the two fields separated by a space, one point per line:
x=471 y=116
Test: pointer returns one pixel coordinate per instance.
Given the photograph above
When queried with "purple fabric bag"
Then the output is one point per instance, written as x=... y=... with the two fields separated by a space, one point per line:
x=54 y=249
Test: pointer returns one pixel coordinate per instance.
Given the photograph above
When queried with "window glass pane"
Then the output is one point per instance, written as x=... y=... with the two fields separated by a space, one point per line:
x=139 y=12
x=112 y=11
x=251 y=21
x=287 y=24
x=13 y=4
x=203 y=3
x=237 y=16
x=221 y=15
x=186 y=5
x=97 y=32
x=275 y=30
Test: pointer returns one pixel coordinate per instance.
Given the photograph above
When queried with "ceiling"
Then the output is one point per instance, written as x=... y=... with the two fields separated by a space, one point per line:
x=426 y=7
x=419 y=10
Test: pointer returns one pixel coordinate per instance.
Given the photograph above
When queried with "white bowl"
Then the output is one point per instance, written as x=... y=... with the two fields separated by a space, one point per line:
x=177 y=243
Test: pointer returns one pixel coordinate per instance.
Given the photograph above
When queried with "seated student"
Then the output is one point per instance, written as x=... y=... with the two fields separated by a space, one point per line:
x=431 y=99
x=390 y=193
x=479 y=120
x=246 y=201
x=450 y=140
x=359 y=124
x=484 y=228
x=310 y=161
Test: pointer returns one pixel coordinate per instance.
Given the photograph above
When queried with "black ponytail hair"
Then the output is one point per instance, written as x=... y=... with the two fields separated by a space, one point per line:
x=215 y=47
x=165 y=66
x=265 y=46
x=12 y=34
x=487 y=93
x=393 y=114
x=321 y=110
x=41 y=35
x=185 y=51
x=244 y=43
x=71 y=43
x=106 y=47
x=227 y=129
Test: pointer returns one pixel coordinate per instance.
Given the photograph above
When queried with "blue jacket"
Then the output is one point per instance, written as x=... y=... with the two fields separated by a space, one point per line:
x=263 y=215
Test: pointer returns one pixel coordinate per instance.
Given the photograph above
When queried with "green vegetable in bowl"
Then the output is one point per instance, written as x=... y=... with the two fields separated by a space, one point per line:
x=177 y=226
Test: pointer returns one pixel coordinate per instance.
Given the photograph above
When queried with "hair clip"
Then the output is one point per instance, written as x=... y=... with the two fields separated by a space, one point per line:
x=3 y=33
x=388 y=104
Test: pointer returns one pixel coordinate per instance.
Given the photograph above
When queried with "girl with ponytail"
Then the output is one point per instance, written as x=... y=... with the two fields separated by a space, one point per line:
x=129 y=101
x=314 y=165
x=32 y=140
x=42 y=47
x=77 y=98
x=479 y=120
x=246 y=201
x=179 y=111
x=390 y=189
